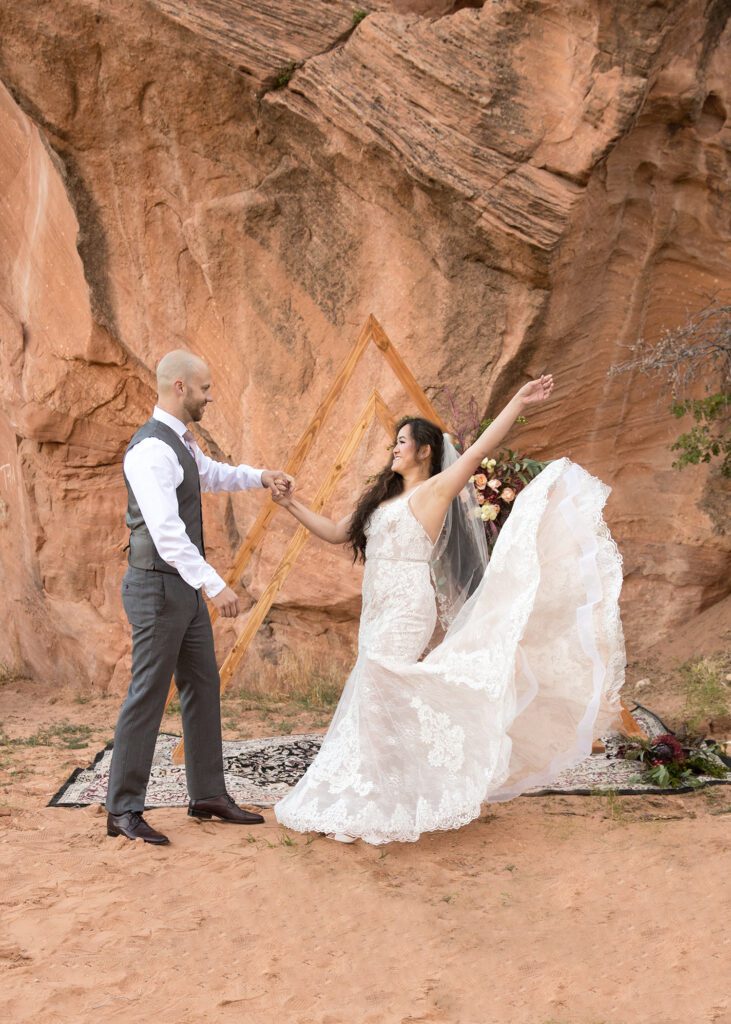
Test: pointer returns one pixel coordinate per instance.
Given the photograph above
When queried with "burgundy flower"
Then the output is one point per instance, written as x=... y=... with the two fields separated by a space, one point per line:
x=666 y=748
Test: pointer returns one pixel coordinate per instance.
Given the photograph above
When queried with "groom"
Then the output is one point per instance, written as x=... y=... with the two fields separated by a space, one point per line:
x=165 y=471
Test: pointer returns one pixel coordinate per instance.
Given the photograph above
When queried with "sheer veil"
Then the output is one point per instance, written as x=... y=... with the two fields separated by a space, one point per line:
x=460 y=554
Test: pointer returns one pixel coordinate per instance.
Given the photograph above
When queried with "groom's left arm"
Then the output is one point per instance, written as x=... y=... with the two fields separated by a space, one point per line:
x=220 y=476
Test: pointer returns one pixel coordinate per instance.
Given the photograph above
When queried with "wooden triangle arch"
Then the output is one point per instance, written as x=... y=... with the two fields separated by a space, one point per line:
x=375 y=408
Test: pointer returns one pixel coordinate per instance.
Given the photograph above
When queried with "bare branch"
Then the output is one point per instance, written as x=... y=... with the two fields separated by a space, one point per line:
x=698 y=350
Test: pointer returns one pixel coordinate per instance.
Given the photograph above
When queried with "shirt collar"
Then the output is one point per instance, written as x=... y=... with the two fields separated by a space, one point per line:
x=170 y=421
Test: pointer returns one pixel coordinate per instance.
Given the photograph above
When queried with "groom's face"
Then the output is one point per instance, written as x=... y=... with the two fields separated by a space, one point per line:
x=197 y=394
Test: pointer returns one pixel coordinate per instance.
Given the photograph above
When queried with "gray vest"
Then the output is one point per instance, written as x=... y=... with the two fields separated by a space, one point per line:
x=142 y=552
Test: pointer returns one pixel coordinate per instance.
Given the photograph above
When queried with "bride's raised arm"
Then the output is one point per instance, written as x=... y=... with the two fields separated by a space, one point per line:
x=322 y=527
x=432 y=501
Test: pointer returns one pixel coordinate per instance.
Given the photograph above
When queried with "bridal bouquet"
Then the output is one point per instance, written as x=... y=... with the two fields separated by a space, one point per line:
x=498 y=481
x=667 y=763
x=498 y=484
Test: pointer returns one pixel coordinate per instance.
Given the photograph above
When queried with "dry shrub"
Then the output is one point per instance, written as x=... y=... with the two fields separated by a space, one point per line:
x=312 y=680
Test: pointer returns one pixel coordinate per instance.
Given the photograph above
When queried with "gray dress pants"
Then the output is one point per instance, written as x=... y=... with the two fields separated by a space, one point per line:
x=171 y=635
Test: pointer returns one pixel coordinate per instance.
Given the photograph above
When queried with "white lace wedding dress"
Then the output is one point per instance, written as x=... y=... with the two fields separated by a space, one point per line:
x=526 y=677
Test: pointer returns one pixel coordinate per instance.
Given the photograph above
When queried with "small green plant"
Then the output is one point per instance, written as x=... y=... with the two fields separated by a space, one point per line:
x=286 y=840
x=64 y=734
x=358 y=16
x=710 y=437
x=173 y=707
x=284 y=76
x=610 y=803
x=706 y=696
x=697 y=353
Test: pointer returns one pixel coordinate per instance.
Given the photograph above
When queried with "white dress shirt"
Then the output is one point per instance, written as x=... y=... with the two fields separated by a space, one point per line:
x=154 y=474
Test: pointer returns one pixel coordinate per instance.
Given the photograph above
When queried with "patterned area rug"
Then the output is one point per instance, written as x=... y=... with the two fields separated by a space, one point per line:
x=260 y=772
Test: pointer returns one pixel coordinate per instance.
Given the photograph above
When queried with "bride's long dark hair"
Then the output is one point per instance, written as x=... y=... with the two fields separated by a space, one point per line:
x=389 y=484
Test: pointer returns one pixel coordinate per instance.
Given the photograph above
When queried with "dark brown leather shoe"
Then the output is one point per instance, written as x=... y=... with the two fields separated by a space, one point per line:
x=224 y=808
x=132 y=825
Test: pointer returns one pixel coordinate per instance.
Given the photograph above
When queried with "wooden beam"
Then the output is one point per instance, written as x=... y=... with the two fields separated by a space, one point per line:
x=260 y=610
x=302 y=449
x=384 y=414
x=404 y=374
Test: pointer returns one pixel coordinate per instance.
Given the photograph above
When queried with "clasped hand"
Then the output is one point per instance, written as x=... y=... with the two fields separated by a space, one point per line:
x=281 y=484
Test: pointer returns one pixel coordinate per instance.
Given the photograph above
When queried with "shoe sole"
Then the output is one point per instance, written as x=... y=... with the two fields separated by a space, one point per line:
x=207 y=815
x=133 y=839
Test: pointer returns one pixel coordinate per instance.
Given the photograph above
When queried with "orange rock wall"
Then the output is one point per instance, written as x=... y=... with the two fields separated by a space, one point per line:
x=508 y=187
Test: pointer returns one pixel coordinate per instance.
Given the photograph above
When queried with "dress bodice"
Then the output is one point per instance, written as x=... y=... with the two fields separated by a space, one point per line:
x=393 y=532
x=399 y=610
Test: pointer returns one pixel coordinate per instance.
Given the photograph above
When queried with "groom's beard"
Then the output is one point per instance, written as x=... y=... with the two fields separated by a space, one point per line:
x=196 y=413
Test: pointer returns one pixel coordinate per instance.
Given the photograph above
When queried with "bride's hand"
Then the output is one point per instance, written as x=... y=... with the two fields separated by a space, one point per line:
x=536 y=390
x=285 y=500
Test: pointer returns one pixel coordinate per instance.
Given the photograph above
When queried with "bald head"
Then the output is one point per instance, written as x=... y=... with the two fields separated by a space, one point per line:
x=183 y=385
x=178 y=365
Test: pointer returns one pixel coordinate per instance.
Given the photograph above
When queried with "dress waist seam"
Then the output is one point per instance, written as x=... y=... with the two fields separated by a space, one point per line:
x=388 y=558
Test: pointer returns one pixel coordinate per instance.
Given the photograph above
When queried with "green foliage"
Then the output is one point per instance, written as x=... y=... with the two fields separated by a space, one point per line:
x=173 y=707
x=669 y=765
x=284 y=76
x=358 y=16
x=697 y=352
x=710 y=438
x=63 y=734
x=525 y=469
x=684 y=773
x=706 y=696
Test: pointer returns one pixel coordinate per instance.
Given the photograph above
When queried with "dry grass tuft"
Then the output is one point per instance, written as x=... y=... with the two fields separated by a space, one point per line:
x=310 y=681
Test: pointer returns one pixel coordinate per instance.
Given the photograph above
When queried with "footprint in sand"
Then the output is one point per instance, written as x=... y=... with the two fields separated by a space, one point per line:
x=13 y=956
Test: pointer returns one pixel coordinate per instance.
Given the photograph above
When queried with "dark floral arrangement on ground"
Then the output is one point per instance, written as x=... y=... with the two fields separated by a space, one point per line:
x=499 y=480
x=670 y=765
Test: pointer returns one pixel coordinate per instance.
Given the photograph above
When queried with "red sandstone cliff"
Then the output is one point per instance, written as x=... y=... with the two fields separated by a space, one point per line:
x=509 y=186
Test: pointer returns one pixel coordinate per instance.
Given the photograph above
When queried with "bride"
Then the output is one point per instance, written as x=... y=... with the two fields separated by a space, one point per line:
x=528 y=672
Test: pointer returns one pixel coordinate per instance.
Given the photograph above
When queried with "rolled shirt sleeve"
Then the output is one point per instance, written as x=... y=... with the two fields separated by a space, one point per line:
x=219 y=476
x=154 y=474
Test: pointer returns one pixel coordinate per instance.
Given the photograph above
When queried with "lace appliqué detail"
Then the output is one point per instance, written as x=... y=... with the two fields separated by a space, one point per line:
x=338 y=764
x=445 y=740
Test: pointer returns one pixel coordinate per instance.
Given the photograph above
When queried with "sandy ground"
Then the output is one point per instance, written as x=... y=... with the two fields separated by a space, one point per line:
x=551 y=910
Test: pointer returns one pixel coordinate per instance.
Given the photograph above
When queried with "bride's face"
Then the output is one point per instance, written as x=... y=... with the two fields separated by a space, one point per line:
x=405 y=456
